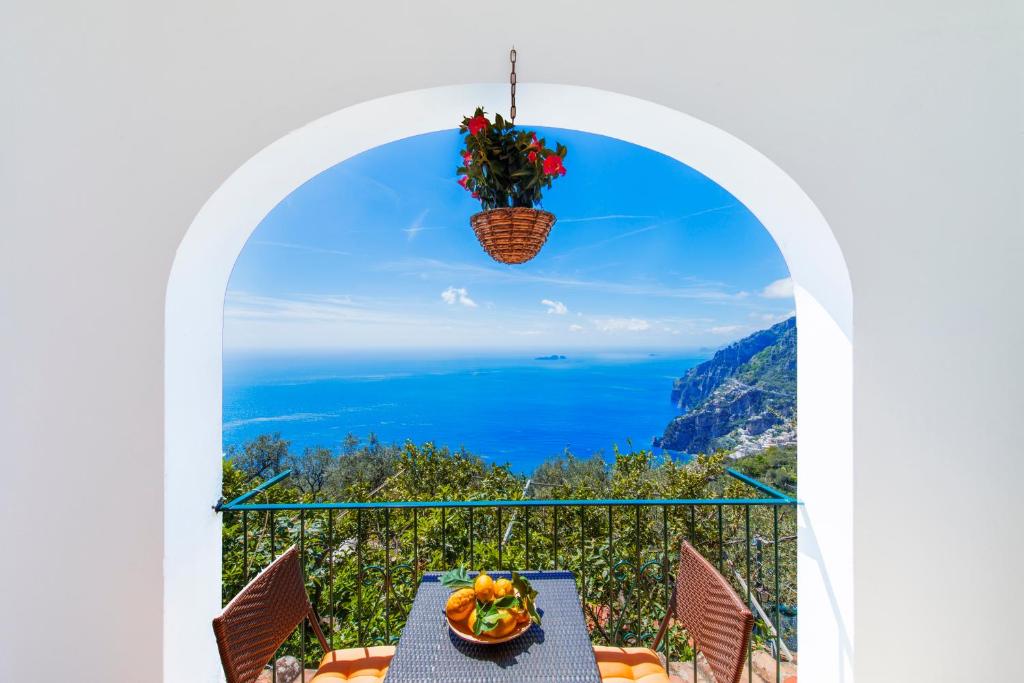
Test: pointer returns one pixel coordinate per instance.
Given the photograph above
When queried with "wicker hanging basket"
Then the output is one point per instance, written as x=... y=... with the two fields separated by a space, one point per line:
x=513 y=235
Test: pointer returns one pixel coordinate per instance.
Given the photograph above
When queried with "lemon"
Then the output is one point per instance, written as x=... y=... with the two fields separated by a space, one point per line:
x=484 y=588
x=460 y=604
x=502 y=588
x=506 y=624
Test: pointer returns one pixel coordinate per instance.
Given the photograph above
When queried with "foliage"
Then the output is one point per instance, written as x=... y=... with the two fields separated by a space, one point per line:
x=775 y=466
x=505 y=166
x=362 y=566
x=456 y=578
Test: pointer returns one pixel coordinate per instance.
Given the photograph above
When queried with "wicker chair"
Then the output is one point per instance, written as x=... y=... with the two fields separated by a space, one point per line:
x=705 y=604
x=262 y=616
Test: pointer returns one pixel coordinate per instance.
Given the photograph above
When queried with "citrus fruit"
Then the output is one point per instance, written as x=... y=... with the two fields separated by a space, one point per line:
x=484 y=588
x=460 y=604
x=506 y=624
x=503 y=587
x=522 y=615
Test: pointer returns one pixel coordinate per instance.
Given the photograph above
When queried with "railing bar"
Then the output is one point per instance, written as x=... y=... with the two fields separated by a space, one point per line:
x=387 y=575
x=444 y=538
x=618 y=502
x=693 y=527
x=273 y=553
x=778 y=598
x=583 y=556
x=416 y=545
x=526 y=521
x=359 y=575
x=472 y=553
x=302 y=570
x=330 y=572
x=760 y=486
x=249 y=494
x=721 y=547
x=501 y=534
x=611 y=569
x=245 y=545
x=273 y=665
x=636 y=582
x=750 y=647
x=223 y=551
x=664 y=575
x=554 y=539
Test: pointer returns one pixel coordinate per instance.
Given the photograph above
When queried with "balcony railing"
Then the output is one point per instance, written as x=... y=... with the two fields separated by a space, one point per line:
x=363 y=560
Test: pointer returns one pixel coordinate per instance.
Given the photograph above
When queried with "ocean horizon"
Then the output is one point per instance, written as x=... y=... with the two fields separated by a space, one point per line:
x=519 y=408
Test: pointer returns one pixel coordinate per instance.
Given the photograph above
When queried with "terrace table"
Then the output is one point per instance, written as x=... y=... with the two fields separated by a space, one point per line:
x=559 y=651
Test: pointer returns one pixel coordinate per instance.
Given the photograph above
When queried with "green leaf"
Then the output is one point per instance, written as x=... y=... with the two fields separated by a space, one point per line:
x=528 y=593
x=456 y=578
x=506 y=602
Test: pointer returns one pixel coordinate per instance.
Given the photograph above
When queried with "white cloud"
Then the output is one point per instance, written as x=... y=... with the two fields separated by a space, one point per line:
x=556 y=307
x=454 y=295
x=772 y=318
x=780 y=289
x=725 y=329
x=699 y=291
x=575 y=328
x=302 y=247
x=416 y=226
x=606 y=217
x=622 y=324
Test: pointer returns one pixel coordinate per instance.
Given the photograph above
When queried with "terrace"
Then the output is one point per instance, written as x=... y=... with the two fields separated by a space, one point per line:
x=363 y=561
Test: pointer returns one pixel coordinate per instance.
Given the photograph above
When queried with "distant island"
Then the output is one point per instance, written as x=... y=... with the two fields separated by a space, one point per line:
x=551 y=357
x=743 y=400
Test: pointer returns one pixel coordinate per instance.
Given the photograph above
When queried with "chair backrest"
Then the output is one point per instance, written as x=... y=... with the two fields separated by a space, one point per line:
x=708 y=608
x=260 y=618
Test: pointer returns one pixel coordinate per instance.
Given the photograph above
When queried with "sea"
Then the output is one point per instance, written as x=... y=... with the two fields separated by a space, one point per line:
x=517 y=409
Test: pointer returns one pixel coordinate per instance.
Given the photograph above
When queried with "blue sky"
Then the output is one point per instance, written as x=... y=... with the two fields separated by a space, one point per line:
x=377 y=254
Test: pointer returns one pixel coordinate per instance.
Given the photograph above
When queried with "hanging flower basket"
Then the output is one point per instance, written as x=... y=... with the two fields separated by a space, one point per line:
x=512 y=235
x=506 y=169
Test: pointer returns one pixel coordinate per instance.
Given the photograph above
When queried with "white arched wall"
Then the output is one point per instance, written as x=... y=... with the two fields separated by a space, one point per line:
x=194 y=330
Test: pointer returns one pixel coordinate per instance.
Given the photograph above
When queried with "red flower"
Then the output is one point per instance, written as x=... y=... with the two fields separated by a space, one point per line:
x=477 y=124
x=463 y=180
x=532 y=156
x=467 y=159
x=553 y=165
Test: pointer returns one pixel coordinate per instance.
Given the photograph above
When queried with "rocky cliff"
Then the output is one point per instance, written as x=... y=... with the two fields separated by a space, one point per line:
x=742 y=400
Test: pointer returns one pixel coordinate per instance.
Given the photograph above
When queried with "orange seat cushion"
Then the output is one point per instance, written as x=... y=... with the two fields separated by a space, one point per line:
x=355 y=665
x=629 y=665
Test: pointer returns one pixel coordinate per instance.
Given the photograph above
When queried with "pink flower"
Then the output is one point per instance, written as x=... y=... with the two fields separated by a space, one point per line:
x=532 y=156
x=467 y=159
x=475 y=195
x=553 y=165
x=463 y=180
x=477 y=124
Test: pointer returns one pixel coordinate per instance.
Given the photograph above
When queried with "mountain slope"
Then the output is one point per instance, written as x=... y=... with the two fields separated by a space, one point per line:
x=743 y=399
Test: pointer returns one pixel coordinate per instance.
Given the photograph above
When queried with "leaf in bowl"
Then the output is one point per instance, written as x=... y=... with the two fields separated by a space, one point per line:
x=456 y=578
x=529 y=595
x=486 y=618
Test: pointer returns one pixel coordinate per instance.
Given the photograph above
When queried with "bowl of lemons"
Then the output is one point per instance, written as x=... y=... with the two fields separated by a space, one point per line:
x=487 y=610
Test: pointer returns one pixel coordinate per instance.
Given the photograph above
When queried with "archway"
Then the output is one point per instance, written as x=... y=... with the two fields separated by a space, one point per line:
x=194 y=319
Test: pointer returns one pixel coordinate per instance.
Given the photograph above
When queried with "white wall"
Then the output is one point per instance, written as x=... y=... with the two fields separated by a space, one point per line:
x=901 y=121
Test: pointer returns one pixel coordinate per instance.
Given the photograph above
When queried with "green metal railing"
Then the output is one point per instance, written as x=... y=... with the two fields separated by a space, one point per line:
x=363 y=560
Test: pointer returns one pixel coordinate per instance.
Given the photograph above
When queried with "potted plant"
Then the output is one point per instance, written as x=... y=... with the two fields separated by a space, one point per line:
x=506 y=169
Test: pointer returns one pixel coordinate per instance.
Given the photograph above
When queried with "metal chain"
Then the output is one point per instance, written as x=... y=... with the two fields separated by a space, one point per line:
x=512 y=81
